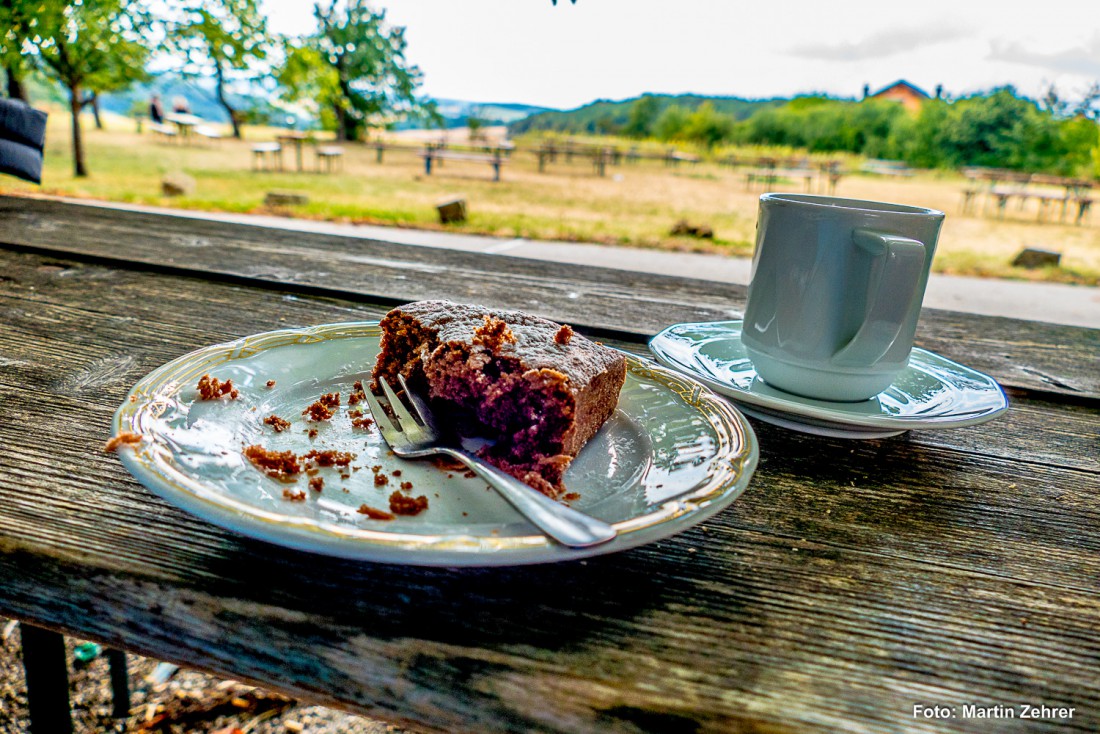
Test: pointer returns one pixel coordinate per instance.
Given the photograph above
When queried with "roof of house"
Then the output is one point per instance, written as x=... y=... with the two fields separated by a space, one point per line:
x=902 y=83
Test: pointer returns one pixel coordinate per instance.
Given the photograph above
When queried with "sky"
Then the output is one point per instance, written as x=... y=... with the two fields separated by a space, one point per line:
x=533 y=52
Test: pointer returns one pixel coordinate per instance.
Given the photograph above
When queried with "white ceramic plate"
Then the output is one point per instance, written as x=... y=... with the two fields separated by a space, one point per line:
x=671 y=456
x=932 y=392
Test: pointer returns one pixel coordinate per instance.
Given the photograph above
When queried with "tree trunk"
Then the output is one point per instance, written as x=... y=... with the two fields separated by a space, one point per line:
x=16 y=90
x=93 y=100
x=341 y=122
x=220 y=88
x=75 y=105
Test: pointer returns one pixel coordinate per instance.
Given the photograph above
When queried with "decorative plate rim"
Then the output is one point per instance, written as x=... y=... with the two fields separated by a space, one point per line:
x=826 y=413
x=152 y=464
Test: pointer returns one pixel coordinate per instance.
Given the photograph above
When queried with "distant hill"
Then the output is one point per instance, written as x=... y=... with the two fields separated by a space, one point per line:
x=457 y=112
x=607 y=115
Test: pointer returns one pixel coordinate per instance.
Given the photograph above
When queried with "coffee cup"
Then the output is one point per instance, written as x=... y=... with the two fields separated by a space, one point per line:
x=836 y=291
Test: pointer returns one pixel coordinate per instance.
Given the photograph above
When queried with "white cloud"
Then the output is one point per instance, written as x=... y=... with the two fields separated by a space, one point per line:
x=1083 y=59
x=887 y=42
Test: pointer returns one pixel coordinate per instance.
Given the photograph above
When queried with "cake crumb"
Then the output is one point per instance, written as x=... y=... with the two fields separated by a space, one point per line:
x=493 y=334
x=312 y=433
x=374 y=514
x=571 y=496
x=406 y=486
x=317 y=484
x=324 y=407
x=381 y=480
x=402 y=504
x=124 y=438
x=211 y=388
x=279 y=424
x=278 y=464
x=564 y=335
x=357 y=393
x=271 y=383
x=329 y=457
x=294 y=495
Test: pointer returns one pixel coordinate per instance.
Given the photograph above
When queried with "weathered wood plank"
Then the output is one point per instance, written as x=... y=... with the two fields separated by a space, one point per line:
x=851 y=581
x=1031 y=355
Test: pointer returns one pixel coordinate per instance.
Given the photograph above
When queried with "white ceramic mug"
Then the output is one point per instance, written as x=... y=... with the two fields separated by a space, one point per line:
x=836 y=292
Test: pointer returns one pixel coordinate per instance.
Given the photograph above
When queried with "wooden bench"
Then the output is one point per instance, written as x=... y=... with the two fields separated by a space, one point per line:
x=267 y=156
x=431 y=155
x=208 y=132
x=168 y=132
x=329 y=157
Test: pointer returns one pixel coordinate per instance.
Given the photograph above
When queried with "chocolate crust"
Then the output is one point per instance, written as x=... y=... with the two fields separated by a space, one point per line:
x=511 y=375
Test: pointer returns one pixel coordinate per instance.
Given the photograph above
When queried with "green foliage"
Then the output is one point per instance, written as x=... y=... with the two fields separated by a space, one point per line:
x=15 y=23
x=708 y=127
x=636 y=117
x=220 y=38
x=824 y=125
x=671 y=122
x=91 y=46
x=1001 y=130
x=643 y=115
x=354 y=67
x=305 y=76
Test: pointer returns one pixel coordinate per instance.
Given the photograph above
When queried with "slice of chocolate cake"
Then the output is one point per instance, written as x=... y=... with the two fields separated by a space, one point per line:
x=536 y=388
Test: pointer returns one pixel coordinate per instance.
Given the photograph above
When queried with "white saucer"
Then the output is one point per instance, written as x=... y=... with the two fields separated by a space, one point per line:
x=931 y=393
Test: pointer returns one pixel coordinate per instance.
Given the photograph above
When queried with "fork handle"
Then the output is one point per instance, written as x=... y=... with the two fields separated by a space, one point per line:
x=562 y=523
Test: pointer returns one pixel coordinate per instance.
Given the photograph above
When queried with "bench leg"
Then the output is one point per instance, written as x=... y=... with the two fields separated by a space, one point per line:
x=47 y=680
x=120 y=683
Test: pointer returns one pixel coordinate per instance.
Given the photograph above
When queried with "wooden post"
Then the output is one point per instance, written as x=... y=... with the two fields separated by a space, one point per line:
x=47 y=680
x=496 y=166
x=542 y=160
x=120 y=683
x=428 y=161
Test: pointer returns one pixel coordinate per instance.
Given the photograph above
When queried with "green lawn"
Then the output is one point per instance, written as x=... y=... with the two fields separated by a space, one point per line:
x=634 y=204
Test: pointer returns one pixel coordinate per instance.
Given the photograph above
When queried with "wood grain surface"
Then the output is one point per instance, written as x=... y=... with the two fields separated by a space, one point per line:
x=850 y=582
x=1025 y=354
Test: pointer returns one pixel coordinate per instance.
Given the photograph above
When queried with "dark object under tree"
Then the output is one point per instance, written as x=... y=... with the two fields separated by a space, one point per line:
x=22 y=139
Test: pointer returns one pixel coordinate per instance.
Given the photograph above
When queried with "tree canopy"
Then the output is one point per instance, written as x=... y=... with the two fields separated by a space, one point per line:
x=91 y=46
x=223 y=39
x=354 y=68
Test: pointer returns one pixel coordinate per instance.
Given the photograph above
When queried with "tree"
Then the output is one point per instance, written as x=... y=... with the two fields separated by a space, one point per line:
x=222 y=39
x=354 y=66
x=91 y=45
x=670 y=124
x=707 y=126
x=643 y=115
x=15 y=16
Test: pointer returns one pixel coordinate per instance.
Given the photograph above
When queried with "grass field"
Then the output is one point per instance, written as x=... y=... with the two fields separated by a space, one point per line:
x=634 y=204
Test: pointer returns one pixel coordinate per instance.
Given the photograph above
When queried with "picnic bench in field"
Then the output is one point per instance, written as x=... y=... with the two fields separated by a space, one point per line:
x=766 y=173
x=267 y=157
x=329 y=158
x=166 y=132
x=434 y=155
x=1056 y=197
x=856 y=586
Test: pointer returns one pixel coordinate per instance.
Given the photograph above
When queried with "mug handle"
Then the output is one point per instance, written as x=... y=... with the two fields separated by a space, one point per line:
x=889 y=296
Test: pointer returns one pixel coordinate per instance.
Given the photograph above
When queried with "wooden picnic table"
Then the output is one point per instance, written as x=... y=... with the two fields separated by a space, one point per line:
x=851 y=582
x=185 y=123
x=297 y=139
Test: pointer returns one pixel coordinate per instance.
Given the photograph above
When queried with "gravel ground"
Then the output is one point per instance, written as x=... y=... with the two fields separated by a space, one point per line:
x=189 y=701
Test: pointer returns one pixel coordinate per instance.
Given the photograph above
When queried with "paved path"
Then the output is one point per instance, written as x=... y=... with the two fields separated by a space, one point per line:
x=1057 y=303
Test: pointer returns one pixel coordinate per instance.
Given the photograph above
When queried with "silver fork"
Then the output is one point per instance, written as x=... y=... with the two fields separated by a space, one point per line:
x=411 y=438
